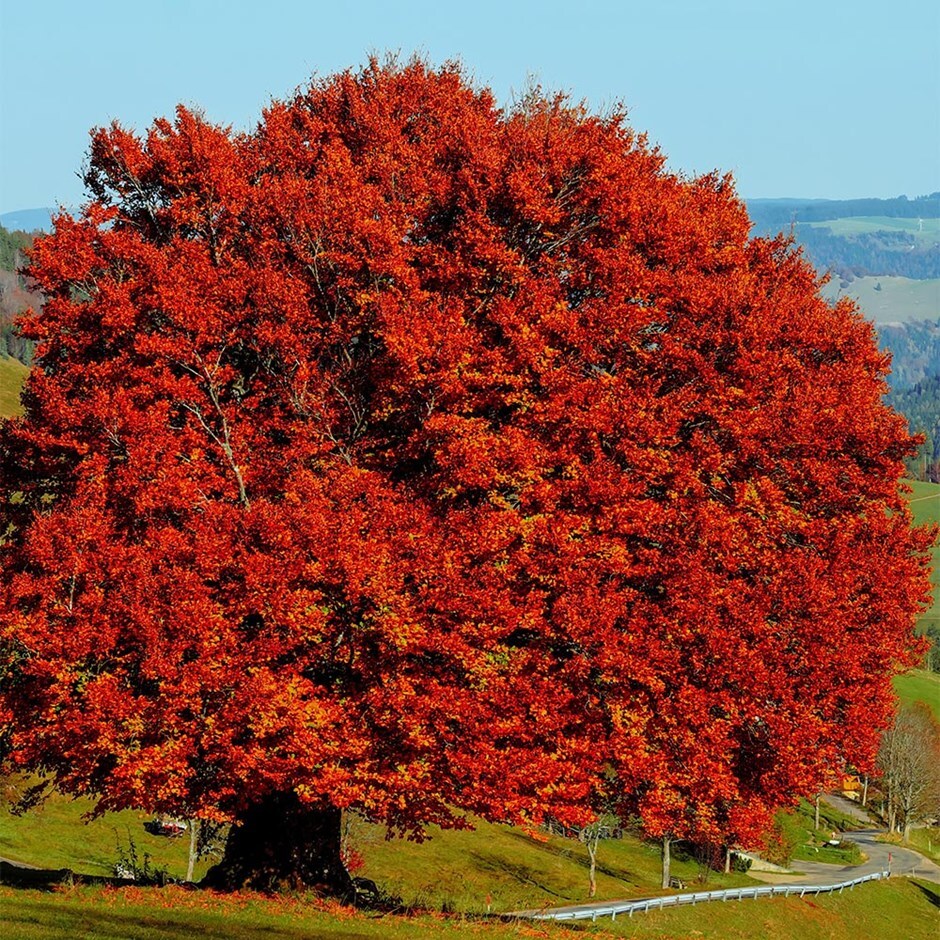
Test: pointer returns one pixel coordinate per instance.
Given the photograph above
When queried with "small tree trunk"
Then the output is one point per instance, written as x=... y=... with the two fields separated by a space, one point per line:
x=865 y=792
x=727 y=859
x=667 y=842
x=592 y=871
x=281 y=844
x=193 y=848
x=816 y=824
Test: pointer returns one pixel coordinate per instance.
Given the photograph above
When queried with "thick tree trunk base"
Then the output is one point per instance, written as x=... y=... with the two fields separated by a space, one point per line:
x=667 y=843
x=281 y=844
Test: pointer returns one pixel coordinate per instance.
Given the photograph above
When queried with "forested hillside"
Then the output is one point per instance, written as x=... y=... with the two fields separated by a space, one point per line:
x=883 y=252
x=915 y=350
x=779 y=213
x=14 y=295
x=921 y=405
x=859 y=241
x=858 y=237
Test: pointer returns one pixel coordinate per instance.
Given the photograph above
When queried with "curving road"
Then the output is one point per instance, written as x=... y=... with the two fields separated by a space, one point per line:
x=882 y=856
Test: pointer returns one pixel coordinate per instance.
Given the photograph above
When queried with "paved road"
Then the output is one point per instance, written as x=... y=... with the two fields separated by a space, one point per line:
x=849 y=808
x=882 y=856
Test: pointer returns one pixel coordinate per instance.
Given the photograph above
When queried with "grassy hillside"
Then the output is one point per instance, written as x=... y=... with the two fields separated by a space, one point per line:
x=899 y=908
x=457 y=870
x=922 y=231
x=12 y=376
x=891 y=299
x=925 y=505
x=452 y=870
x=54 y=836
x=919 y=685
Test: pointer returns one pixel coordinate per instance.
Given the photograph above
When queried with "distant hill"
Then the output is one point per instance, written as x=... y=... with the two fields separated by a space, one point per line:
x=885 y=255
x=15 y=294
x=859 y=237
x=778 y=214
x=27 y=220
x=889 y=301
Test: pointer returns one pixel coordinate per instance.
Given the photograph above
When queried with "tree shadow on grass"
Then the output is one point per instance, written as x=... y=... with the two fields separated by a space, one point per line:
x=928 y=891
x=521 y=873
x=558 y=851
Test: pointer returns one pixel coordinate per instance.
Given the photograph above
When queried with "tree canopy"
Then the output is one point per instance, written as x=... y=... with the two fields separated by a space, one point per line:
x=416 y=456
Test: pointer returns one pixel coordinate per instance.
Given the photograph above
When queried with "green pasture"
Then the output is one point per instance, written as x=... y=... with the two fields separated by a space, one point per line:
x=925 y=507
x=459 y=869
x=898 y=908
x=12 y=375
x=456 y=870
x=923 y=231
x=890 y=299
x=919 y=685
x=58 y=834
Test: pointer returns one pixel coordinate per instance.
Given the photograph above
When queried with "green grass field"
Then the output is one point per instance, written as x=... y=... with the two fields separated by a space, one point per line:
x=458 y=870
x=815 y=842
x=53 y=835
x=919 y=685
x=898 y=300
x=12 y=376
x=925 y=506
x=924 y=231
x=453 y=870
x=899 y=908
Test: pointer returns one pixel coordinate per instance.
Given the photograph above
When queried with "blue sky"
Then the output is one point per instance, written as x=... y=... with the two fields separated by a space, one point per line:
x=813 y=99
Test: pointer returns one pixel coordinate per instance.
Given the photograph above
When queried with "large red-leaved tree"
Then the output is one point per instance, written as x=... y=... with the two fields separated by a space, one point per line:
x=418 y=457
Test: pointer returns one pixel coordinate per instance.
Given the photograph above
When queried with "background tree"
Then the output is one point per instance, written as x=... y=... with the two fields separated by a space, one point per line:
x=909 y=760
x=15 y=293
x=415 y=457
x=590 y=836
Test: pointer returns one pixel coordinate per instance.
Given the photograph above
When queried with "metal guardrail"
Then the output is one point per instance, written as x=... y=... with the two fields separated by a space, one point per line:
x=726 y=894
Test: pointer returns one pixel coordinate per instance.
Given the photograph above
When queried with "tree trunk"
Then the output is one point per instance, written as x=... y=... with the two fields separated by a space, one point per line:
x=282 y=844
x=816 y=824
x=667 y=841
x=727 y=859
x=193 y=848
x=592 y=872
x=865 y=792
